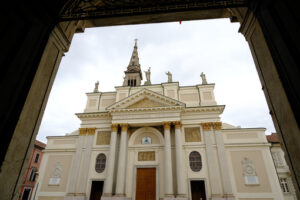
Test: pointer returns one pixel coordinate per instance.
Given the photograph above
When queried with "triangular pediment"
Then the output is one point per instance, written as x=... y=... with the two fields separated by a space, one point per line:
x=145 y=99
x=146 y=103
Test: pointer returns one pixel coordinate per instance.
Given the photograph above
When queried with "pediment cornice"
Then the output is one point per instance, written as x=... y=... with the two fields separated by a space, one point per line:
x=218 y=109
x=145 y=100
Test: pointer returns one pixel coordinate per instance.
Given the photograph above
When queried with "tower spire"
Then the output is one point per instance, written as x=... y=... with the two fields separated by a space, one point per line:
x=134 y=63
x=133 y=74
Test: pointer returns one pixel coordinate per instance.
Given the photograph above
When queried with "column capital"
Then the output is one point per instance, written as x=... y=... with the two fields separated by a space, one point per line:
x=167 y=125
x=206 y=126
x=124 y=126
x=82 y=131
x=177 y=124
x=114 y=127
x=217 y=125
x=91 y=131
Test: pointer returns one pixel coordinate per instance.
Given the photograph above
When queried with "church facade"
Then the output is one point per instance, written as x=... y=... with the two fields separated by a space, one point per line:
x=157 y=141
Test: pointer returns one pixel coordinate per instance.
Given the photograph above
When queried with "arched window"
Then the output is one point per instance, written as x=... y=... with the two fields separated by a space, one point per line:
x=195 y=161
x=100 y=163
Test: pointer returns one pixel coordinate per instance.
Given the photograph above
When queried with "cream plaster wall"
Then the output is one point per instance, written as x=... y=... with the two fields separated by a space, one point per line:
x=65 y=160
x=268 y=186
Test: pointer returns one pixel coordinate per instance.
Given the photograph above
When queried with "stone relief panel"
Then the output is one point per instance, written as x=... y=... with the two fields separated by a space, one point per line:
x=253 y=165
x=277 y=159
x=92 y=102
x=192 y=134
x=122 y=95
x=171 y=93
x=189 y=97
x=145 y=103
x=56 y=174
x=107 y=102
x=103 y=138
x=249 y=172
x=146 y=156
x=207 y=96
x=146 y=140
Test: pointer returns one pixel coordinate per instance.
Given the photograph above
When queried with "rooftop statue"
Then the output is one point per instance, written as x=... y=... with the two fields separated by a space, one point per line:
x=96 y=87
x=147 y=74
x=203 y=78
x=169 y=77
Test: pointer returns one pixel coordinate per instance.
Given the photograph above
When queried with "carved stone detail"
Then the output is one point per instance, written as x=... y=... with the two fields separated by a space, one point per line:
x=146 y=156
x=91 y=131
x=206 y=126
x=217 y=125
x=103 y=138
x=192 y=134
x=78 y=9
x=114 y=127
x=145 y=103
x=177 y=124
x=56 y=174
x=85 y=131
x=167 y=125
x=124 y=127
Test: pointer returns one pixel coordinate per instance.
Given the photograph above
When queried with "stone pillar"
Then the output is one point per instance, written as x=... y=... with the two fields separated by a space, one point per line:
x=85 y=164
x=80 y=166
x=216 y=190
x=181 y=181
x=228 y=193
x=168 y=163
x=108 y=183
x=75 y=167
x=120 y=189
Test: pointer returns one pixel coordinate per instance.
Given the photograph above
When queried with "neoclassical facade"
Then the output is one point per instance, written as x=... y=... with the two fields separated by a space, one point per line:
x=157 y=141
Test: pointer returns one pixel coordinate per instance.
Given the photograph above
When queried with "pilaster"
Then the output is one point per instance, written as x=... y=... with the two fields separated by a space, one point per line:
x=181 y=180
x=120 y=188
x=108 y=183
x=216 y=190
x=169 y=194
x=223 y=161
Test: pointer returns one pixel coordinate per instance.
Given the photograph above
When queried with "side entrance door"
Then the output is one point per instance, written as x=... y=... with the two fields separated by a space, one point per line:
x=146 y=184
x=96 y=191
x=198 y=190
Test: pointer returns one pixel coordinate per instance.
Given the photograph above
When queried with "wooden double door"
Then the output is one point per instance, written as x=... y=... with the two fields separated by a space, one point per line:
x=146 y=184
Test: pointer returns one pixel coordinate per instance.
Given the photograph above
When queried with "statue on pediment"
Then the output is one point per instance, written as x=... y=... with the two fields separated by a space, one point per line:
x=169 y=77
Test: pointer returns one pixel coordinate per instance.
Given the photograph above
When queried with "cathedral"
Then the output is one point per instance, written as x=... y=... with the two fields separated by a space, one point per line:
x=164 y=141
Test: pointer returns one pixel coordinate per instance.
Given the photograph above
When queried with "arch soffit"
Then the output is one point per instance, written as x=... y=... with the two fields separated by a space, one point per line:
x=142 y=130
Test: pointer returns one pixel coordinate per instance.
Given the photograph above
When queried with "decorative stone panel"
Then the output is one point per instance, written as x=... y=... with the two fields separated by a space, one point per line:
x=192 y=134
x=146 y=156
x=103 y=138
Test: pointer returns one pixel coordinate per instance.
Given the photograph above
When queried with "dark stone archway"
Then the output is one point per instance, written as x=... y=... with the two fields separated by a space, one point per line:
x=27 y=72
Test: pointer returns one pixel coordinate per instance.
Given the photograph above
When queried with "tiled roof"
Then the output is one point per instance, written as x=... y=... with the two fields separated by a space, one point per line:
x=273 y=138
x=39 y=144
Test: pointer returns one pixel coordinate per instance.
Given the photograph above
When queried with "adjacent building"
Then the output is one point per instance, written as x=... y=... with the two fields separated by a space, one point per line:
x=147 y=141
x=282 y=168
x=30 y=178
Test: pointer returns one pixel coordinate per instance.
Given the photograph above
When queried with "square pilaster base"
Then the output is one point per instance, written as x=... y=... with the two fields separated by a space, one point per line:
x=181 y=197
x=75 y=197
x=119 y=197
x=220 y=197
x=168 y=197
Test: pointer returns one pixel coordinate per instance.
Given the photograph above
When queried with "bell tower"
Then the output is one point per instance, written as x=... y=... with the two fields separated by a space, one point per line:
x=133 y=74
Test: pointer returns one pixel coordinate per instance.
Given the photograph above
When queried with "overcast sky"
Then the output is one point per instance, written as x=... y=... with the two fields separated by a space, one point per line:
x=211 y=46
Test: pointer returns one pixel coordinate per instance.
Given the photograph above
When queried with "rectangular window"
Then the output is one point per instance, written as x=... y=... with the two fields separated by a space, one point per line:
x=26 y=194
x=32 y=174
x=284 y=185
x=37 y=156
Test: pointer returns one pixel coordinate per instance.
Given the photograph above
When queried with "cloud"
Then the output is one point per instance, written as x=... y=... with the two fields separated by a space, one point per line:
x=211 y=46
